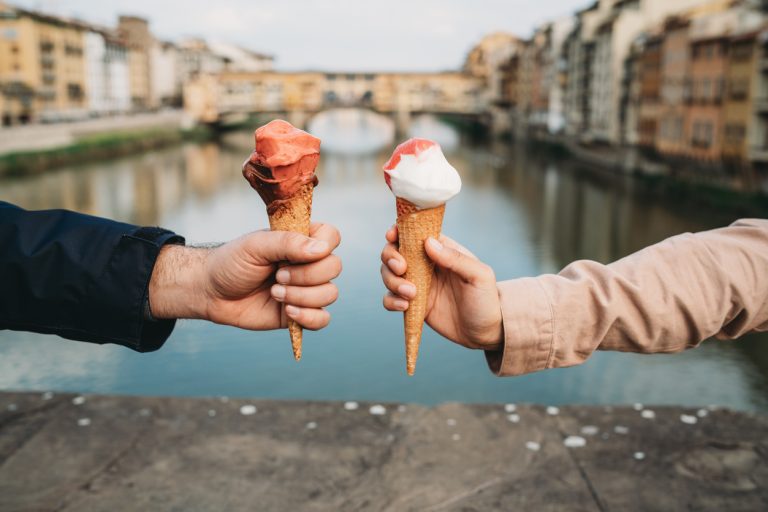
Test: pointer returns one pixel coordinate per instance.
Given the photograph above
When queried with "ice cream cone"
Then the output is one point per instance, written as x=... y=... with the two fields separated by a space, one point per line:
x=414 y=227
x=293 y=214
x=282 y=170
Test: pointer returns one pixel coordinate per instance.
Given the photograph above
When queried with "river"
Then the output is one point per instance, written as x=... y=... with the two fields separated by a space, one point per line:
x=522 y=211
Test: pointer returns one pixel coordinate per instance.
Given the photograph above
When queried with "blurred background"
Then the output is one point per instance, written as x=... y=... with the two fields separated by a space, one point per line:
x=580 y=131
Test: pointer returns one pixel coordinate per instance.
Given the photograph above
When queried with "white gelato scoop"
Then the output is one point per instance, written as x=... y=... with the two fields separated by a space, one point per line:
x=419 y=173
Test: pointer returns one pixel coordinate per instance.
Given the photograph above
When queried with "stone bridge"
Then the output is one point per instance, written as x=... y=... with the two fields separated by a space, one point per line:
x=300 y=95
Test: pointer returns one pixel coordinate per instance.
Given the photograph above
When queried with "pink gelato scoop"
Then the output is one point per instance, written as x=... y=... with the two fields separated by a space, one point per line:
x=283 y=162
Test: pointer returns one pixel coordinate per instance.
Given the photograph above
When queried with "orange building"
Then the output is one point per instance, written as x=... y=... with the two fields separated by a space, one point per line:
x=649 y=76
x=703 y=119
x=739 y=98
x=675 y=61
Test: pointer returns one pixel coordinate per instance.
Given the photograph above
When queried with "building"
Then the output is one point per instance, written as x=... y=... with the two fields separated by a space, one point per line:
x=42 y=69
x=165 y=70
x=703 y=120
x=495 y=60
x=196 y=59
x=675 y=61
x=134 y=32
x=757 y=131
x=238 y=59
x=648 y=79
x=535 y=75
x=739 y=101
x=108 y=86
x=579 y=48
x=559 y=31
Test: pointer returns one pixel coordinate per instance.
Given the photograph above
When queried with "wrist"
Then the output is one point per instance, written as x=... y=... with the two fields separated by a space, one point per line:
x=177 y=285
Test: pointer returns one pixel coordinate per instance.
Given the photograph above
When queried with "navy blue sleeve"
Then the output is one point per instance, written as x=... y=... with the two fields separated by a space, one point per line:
x=80 y=277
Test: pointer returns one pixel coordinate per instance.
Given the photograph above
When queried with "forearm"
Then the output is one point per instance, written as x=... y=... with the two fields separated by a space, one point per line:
x=78 y=276
x=665 y=298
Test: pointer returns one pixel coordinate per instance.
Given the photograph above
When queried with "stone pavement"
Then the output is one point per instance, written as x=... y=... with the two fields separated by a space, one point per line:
x=109 y=453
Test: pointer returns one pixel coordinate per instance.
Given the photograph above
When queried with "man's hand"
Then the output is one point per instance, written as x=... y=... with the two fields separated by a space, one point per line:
x=239 y=283
x=463 y=303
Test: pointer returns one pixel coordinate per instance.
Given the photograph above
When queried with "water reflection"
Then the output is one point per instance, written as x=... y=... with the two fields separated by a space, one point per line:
x=352 y=131
x=521 y=211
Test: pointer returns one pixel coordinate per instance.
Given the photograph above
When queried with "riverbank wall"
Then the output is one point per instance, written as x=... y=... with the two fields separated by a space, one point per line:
x=36 y=148
x=684 y=181
x=68 y=452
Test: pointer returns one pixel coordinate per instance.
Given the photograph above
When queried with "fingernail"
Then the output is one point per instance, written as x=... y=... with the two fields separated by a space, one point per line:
x=317 y=247
x=434 y=244
x=408 y=290
x=292 y=311
x=393 y=264
x=402 y=305
x=283 y=276
x=278 y=292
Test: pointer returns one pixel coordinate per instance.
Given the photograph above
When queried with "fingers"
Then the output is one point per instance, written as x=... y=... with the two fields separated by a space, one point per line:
x=312 y=319
x=275 y=246
x=391 y=234
x=306 y=296
x=392 y=258
x=449 y=256
x=396 y=284
x=310 y=274
x=325 y=232
x=394 y=303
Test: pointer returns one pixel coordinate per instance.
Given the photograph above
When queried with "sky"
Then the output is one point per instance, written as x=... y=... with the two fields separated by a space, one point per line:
x=360 y=35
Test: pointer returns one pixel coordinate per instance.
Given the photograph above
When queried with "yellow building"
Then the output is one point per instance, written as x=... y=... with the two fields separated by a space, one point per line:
x=42 y=66
x=134 y=32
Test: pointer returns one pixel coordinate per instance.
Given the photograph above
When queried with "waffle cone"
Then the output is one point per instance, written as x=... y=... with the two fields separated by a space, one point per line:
x=414 y=227
x=293 y=214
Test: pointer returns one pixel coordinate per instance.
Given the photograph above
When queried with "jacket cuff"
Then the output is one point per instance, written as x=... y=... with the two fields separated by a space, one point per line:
x=529 y=329
x=130 y=269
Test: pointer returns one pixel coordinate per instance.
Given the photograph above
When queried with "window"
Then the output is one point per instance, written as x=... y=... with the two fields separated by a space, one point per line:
x=739 y=89
x=702 y=134
x=718 y=93
x=741 y=51
x=74 y=91
x=735 y=132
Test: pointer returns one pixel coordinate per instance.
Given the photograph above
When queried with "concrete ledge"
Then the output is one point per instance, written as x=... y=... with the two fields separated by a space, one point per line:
x=113 y=453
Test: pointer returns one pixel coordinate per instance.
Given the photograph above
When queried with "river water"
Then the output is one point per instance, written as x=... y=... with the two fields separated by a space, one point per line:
x=522 y=211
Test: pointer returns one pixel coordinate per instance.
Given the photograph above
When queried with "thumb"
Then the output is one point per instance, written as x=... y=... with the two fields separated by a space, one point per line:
x=275 y=246
x=467 y=267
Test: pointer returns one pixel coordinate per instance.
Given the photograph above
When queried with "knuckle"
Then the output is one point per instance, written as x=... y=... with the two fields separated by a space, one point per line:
x=333 y=294
x=294 y=294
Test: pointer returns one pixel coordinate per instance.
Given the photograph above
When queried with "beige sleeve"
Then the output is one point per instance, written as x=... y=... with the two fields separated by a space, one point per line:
x=664 y=298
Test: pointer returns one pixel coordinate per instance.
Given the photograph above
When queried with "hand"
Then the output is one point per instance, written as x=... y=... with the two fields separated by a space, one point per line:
x=463 y=303
x=239 y=283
